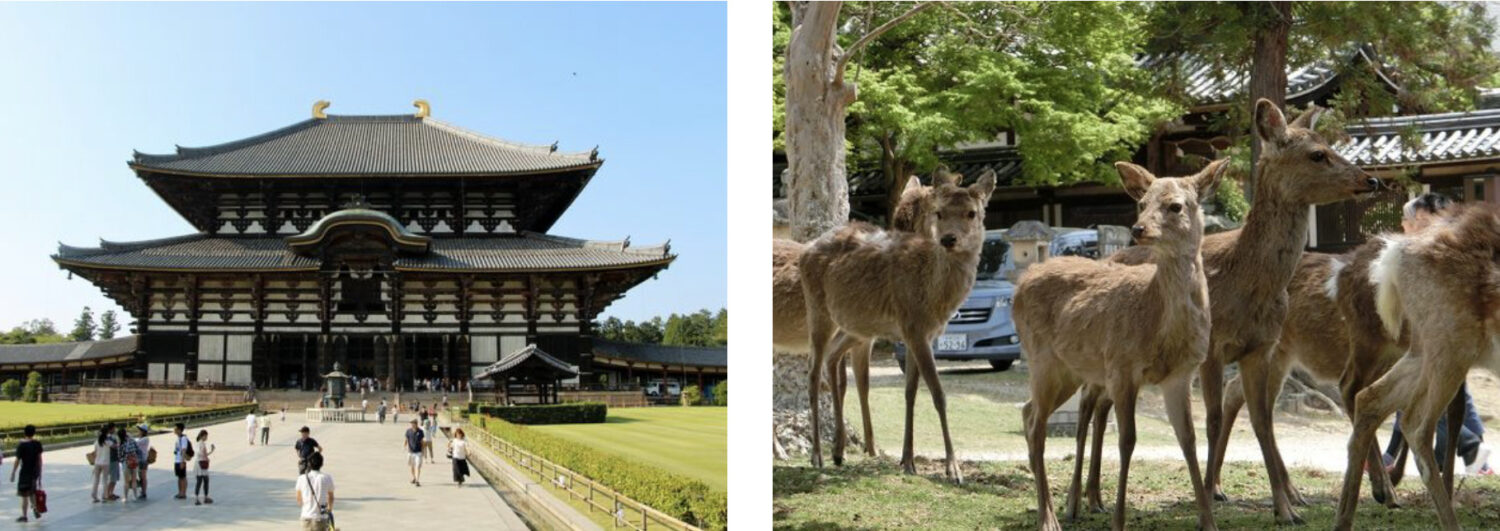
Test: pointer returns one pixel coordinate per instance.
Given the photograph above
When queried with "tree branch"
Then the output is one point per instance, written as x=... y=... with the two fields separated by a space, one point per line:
x=838 y=77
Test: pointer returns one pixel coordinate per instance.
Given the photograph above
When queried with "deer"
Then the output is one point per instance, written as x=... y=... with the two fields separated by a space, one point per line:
x=789 y=315
x=1120 y=327
x=1248 y=271
x=867 y=283
x=1439 y=288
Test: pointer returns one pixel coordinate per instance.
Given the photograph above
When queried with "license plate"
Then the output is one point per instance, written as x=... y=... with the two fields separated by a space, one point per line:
x=952 y=342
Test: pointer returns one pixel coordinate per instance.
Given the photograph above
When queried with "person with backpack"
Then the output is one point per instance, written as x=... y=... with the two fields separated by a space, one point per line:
x=130 y=456
x=413 y=445
x=143 y=444
x=182 y=452
x=200 y=472
x=29 y=463
x=315 y=496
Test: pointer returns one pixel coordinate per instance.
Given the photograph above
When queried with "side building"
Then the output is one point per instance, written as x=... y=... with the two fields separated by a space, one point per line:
x=398 y=246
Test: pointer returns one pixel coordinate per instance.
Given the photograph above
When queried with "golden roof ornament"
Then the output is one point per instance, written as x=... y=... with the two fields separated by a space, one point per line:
x=423 y=109
x=318 y=108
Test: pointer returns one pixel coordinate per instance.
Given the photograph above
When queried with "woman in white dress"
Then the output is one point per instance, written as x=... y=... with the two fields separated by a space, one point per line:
x=458 y=449
x=102 y=448
x=201 y=451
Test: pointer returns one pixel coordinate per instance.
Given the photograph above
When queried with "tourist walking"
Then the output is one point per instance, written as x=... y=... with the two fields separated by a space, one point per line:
x=200 y=471
x=430 y=425
x=143 y=444
x=130 y=456
x=114 y=464
x=29 y=464
x=182 y=451
x=458 y=451
x=306 y=448
x=364 y=405
x=265 y=428
x=315 y=496
x=380 y=411
x=102 y=446
x=413 y=445
x=250 y=427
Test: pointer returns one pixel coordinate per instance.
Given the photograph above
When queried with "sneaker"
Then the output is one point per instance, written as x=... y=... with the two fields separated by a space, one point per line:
x=208 y=500
x=197 y=501
x=22 y=519
x=1481 y=456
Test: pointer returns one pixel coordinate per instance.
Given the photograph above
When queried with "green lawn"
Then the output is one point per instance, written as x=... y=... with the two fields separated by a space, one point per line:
x=874 y=494
x=691 y=441
x=18 y=414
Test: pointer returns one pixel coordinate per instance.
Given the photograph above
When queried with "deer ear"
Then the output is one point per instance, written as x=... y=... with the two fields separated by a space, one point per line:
x=1207 y=181
x=1135 y=178
x=985 y=185
x=913 y=185
x=942 y=176
x=1309 y=119
x=1270 y=123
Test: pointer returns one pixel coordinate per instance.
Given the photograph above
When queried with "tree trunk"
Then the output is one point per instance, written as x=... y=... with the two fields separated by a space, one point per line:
x=895 y=170
x=816 y=99
x=1268 y=67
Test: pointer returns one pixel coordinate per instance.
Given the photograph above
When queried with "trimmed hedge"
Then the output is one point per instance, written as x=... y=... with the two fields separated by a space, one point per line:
x=692 y=396
x=684 y=498
x=574 y=413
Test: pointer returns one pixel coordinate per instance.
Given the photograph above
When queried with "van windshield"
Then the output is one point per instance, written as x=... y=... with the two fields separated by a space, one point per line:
x=994 y=259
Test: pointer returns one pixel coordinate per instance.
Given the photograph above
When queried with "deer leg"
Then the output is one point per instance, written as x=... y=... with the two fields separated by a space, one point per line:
x=1371 y=407
x=1356 y=377
x=821 y=332
x=922 y=352
x=1101 y=422
x=1419 y=431
x=861 y=352
x=1234 y=398
x=1276 y=375
x=1047 y=392
x=839 y=378
x=1211 y=378
x=1455 y=422
x=1124 y=393
x=1253 y=376
x=908 y=462
x=1085 y=414
x=1178 y=397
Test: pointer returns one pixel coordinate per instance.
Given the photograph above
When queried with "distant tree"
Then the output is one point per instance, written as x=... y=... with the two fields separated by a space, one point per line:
x=11 y=389
x=33 y=391
x=694 y=330
x=108 y=325
x=84 y=327
x=721 y=393
x=612 y=329
x=692 y=396
x=721 y=328
x=31 y=332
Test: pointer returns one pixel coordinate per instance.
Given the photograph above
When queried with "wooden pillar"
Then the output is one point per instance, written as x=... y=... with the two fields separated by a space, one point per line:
x=700 y=378
x=447 y=353
x=306 y=367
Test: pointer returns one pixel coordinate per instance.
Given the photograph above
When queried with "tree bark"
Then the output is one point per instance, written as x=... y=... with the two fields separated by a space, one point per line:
x=1268 y=67
x=895 y=169
x=817 y=186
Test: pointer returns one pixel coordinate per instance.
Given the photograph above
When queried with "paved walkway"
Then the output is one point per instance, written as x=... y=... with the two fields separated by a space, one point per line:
x=253 y=486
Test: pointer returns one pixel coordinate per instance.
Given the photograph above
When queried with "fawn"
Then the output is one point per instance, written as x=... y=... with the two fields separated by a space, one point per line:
x=868 y=283
x=1121 y=327
x=1249 y=269
x=789 y=313
x=1439 y=289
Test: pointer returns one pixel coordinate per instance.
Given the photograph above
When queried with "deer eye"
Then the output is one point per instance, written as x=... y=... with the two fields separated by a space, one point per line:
x=971 y=214
x=1176 y=208
x=1318 y=156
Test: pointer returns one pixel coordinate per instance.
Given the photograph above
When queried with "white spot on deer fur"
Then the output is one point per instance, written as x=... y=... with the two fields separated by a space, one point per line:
x=1384 y=273
x=1331 y=286
x=879 y=238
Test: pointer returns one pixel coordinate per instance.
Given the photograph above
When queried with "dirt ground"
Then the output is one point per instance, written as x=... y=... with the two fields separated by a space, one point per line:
x=984 y=417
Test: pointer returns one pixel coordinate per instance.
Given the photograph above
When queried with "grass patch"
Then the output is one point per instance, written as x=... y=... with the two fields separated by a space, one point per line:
x=691 y=441
x=874 y=494
x=14 y=415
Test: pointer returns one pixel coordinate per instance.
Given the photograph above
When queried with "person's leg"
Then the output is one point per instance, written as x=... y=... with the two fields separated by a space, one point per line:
x=206 y=497
x=142 y=480
x=1471 y=416
x=94 y=489
x=1394 y=447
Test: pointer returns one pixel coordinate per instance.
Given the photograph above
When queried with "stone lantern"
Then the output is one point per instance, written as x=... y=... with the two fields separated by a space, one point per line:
x=1030 y=243
x=337 y=383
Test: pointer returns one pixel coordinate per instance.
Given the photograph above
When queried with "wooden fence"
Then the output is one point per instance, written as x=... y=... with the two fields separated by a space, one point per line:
x=625 y=512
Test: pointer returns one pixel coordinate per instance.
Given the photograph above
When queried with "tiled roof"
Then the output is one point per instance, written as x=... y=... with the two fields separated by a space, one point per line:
x=60 y=352
x=525 y=252
x=1447 y=137
x=391 y=145
x=1208 y=83
x=671 y=355
x=529 y=352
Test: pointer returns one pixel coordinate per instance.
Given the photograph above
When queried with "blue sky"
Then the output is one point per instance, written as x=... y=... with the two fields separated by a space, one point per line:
x=84 y=84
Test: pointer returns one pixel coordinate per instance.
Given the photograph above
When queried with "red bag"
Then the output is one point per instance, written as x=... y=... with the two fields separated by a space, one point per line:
x=41 y=501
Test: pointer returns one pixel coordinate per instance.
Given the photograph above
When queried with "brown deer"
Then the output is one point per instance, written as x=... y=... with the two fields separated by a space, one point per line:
x=1249 y=269
x=1120 y=327
x=1443 y=286
x=867 y=283
x=789 y=314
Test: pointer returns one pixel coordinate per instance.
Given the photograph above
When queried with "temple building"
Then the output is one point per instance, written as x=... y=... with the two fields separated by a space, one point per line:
x=399 y=246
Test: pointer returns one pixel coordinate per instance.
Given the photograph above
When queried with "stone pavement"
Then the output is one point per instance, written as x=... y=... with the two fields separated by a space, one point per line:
x=252 y=486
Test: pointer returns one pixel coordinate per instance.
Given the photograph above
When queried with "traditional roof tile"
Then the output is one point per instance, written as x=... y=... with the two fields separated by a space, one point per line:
x=527 y=251
x=382 y=145
x=1444 y=138
x=529 y=353
x=67 y=352
x=667 y=354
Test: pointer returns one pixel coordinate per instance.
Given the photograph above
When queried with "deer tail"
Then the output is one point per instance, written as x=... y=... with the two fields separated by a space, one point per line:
x=1384 y=275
